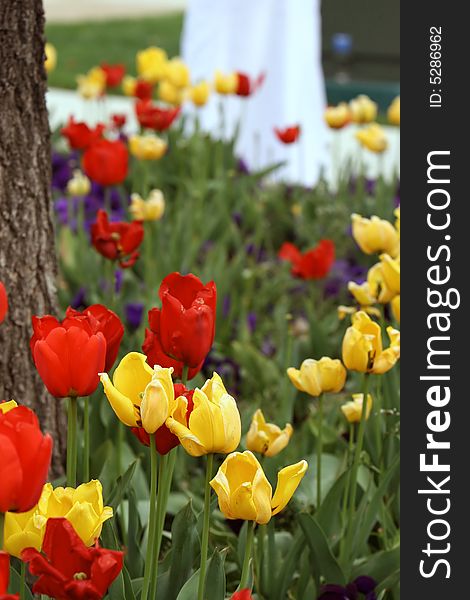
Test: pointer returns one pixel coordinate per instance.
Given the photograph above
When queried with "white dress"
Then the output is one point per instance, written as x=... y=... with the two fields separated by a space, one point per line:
x=280 y=38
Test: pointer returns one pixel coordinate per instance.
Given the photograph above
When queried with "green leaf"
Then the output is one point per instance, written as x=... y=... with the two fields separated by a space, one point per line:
x=287 y=570
x=134 y=558
x=329 y=514
x=367 y=515
x=189 y=589
x=121 y=485
x=379 y=565
x=215 y=576
x=183 y=549
x=15 y=582
x=324 y=562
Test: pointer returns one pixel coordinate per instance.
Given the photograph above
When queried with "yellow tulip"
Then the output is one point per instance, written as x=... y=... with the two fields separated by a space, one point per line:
x=395 y=304
x=169 y=93
x=362 y=293
x=82 y=507
x=93 y=84
x=373 y=138
x=391 y=272
x=337 y=117
x=151 y=209
x=352 y=410
x=23 y=530
x=79 y=185
x=245 y=493
x=393 y=112
x=344 y=311
x=362 y=346
x=51 y=57
x=396 y=212
x=266 y=438
x=151 y=64
x=318 y=376
x=147 y=147
x=140 y=396
x=363 y=109
x=128 y=85
x=199 y=93
x=177 y=73
x=225 y=84
x=375 y=235
x=214 y=424
x=6 y=406
x=377 y=284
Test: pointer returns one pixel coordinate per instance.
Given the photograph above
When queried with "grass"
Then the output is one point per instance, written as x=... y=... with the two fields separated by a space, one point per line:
x=81 y=46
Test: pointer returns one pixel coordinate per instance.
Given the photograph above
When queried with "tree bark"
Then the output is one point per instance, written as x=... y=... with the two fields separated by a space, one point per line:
x=28 y=264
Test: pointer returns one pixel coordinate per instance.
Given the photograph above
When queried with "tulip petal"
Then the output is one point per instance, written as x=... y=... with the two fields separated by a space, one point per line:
x=132 y=376
x=155 y=407
x=121 y=404
x=288 y=480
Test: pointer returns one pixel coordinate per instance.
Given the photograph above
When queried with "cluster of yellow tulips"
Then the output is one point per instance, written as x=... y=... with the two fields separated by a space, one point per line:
x=363 y=111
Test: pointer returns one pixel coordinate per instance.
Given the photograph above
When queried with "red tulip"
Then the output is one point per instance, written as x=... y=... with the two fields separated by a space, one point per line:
x=313 y=264
x=242 y=595
x=5 y=577
x=118 y=120
x=247 y=87
x=143 y=90
x=117 y=240
x=152 y=348
x=26 y=456
x=3 y=302
x=289 y=135
x=70 y=570
x=104 y=320
x=114 y=74
x=106 y=161
x=164 y=439
x=185 y=324
x=153 y=117
x=68 y=355
x=79 y=135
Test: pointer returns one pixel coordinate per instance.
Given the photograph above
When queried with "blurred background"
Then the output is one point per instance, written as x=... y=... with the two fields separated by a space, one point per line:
x=360 y=40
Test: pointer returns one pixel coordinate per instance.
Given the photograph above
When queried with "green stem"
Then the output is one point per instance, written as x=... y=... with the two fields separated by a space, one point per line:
x=348 y=482
x=205 y=528
x=184 y=375
x=355 y=469
x=86 y=440
x=149 y=558
x=160 y=520
x=272 y=556
x=319 y=448
x=22 y=580
x=248 y=552
x=72 y=443
x=119 y=445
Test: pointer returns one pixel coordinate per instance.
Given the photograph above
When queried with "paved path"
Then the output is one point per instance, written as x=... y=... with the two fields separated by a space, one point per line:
x=87 y=10
x=63 y=103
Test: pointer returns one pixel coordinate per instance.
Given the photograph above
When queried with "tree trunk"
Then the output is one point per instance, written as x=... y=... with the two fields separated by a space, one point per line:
x=28 y=264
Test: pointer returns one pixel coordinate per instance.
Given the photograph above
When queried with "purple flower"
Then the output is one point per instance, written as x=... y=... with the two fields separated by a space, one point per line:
x=226 y=304
x=251 y=320
x=361 y=585
x=343 y=271
x=227 y=368
x=62 y=167
x=118 y=275
x=78 y=301
x=134 y=312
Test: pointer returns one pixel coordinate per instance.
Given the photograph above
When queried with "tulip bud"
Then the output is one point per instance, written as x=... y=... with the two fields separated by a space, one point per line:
x=266 y=438
x=245 y=493
x=375 y=235
x=352 y=410
x=318 y=376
